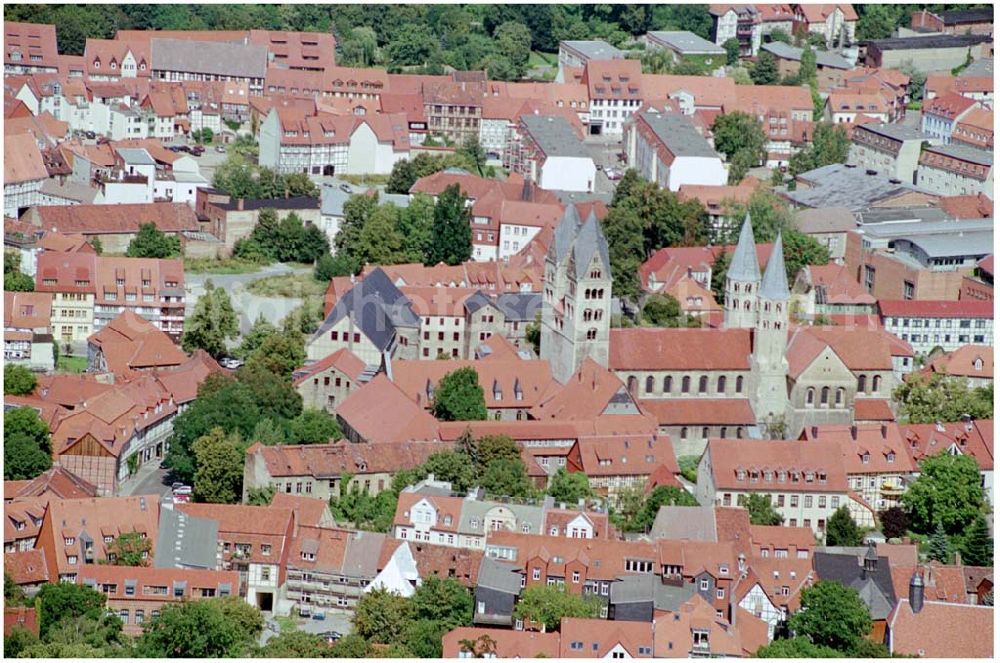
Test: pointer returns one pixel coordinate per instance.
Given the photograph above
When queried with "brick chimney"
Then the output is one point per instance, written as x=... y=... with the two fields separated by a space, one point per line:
x=239 y=204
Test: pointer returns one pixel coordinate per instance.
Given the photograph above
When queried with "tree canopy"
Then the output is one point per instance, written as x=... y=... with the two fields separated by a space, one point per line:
x=942 y=398
x=208 y=628
x=459 y=397
x=27 y=447
x=841 y=530
x=739 y=136
x=948 y=492
x=636 y=513
x=761 y=511
x=546 y=605
x=831 y=615
x=211 y=324
x=18 y=380
x=662 y=310
x=218 y=457
x=151 y=242
x=569 y=487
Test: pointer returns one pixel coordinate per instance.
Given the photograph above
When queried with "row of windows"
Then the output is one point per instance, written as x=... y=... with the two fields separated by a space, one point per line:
x=668 y=384
x=793 y=501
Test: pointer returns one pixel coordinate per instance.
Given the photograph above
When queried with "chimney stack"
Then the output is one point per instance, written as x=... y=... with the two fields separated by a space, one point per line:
x=854 y=432
x=239 y=204
x=815 y=431
x=916 y=592
x=885 y=431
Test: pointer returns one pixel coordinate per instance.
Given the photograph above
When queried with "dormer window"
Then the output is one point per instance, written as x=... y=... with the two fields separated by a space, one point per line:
x=69 y=540
x=890 y=457
x=97 y=64
x=865 y=458
x=308 y=556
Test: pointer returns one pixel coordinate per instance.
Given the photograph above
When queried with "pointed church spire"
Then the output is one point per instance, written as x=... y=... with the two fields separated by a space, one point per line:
x=775 y=283
x=743 y=266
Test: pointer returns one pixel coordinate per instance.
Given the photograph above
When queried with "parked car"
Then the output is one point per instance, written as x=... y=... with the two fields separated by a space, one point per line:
x=346 y=188
x=90 y=134
x=177 y=484
x=182 y=490
x=319 y=616
x=221 y=149
x=181 y=499
x=230 y=362
x=331 y=636
x=613 y=174
x=198 y=150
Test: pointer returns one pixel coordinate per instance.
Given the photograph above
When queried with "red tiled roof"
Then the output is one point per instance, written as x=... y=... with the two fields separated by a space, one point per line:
x=57 y=482
x=19 y=616
x=941 y=630
x=699 y=411
x=531 y=377
x=973 y=439
x=125 y=218
x=926 y=308
x=364 y=411
x=621 y=455
x=31 y=41
x=972 y=206
x=27 y=567
x=600 y=636
x=130 y=342
x=309 y=511
x=941 y=583
x=509 y=643
x=882 y=444
x=343 y=360
x=332 y=460
x=730 y=456
x=949 y=105
x=963 y=361
x=22 y=160
x=679 y=349
x=872 y=409
x=27 y=310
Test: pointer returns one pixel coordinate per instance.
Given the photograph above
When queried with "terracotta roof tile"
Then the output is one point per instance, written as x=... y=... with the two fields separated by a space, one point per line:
x=699 y=411
x=332 y=460
x=22 y=160
x=343 y=360
x=364 y=411
x=795 y=458
x=125 y=218
x=679 y=349
x=969 y=361
x=509 y=643
x=131 y=343
x=941 y=630
x=27 y=567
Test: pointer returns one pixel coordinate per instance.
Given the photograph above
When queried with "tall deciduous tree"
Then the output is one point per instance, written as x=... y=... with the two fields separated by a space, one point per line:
x=831 y=615
x=459 y=397
x=212 y=323
x=131 y=549
x=27 y=448
x=739 y=136
x=18 y=380
x=208 y=628
x=569 y=487
x=942 y=398
x=382 y=617
x=219 y=459
x=761 y=511
x=662 y=310
x=948 y=492
x=841 y=530
x=546 y=605
x=151 y=242
x=451 y=236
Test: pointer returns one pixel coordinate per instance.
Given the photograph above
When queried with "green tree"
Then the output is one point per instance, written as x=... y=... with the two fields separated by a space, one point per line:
x=261 y=330
x=495 y=447
x=830 y=144
x=18 y=381
x=27 y=448
x=280 y=353
x=831 y=615
x=236 y=177
x=17 y=281
x=295 y=644
x=546 y=605
x=459 y=397
x=443 y=601
x=800 y=250
x=942 y=398
x=382 y=616
x=765 y=71
x=799 y=647
x=12 y=592
x=325 y=268
x=414 y=224
x=876 y=22
x=451 y=237
x=351 y=646
x=60 y=601
x=359 y=47
x=732 y=46
x=569 y=487
x=17 y=640
x=260 y=496
x=939 y=550
x=977 y=546
x=402 y=177
x=314 y=427
x=218 y=457
x=807 y=66
x=212 y=323
x=508 y=478
x=918 y=79
x=761 y=511
x=646 y=509
x=948 y=492
x=474 y=152
x=380 y=242
x=513 y=40
x=662 y=310
x=414 y=45
x=131 y=549
x=533 y=333
x=841 y=530
x=451 y=466
x=209 y=628
x=739 y=136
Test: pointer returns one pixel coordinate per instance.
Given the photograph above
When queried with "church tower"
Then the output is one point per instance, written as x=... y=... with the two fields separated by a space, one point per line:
x=576 y=304
x=768 y=366
x=742 y=282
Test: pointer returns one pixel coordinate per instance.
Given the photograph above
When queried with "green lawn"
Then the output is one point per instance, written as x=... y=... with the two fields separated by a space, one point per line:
x=71 y=364
x=213 y=266
x=287 y=285
x=539 y=59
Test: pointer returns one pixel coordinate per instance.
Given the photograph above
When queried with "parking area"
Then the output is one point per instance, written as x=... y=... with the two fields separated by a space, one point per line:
x=606 y=153
x=339 y=622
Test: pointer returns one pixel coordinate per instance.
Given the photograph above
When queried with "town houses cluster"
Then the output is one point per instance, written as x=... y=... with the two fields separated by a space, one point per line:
x=783 y=387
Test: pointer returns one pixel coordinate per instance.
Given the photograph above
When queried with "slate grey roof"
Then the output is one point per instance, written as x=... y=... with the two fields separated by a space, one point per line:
x=362 y=554
x=520 y=306
x=895 y=131
x=846 y=568
x=974 y=15
x=554 y=135
x=788 y=52
x=964 y=152
x=500 y=576
x=877 y=215
x=928 y=42
x=840 y=185
x=696 y=523
x=186 y=542
x=377 y=308
x=69 y=190
x=332 y=199
x=590 y=240
x=136 y=155
x=562 y=240
x=949 y=245
x=685 y=42
x=983 y=67
x=292 y=203
x=932 y=226
x=825 y=220
x=743 y=266
x=649 y=588
x=774 y=285
x=209 y=57
x=594 y=49
x=679 y=135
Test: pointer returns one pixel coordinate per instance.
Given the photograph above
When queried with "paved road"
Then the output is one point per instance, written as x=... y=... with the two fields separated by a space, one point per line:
x=335 y=621
x=150 y=480
x=604 y=152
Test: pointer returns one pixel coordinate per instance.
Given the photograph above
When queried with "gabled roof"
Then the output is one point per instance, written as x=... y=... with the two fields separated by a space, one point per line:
x=774 y=285
x=941 y=630
x=130 y=342
x=57 y=482
x=376 y=307
x=342 y=360
x=22 y=160
x=365 y=412
x=650 y=349
x=743 y=266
